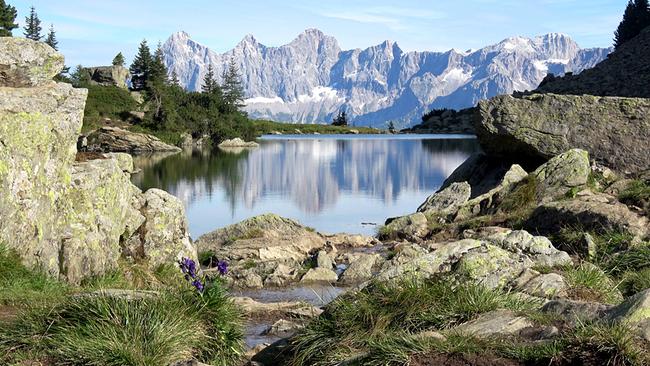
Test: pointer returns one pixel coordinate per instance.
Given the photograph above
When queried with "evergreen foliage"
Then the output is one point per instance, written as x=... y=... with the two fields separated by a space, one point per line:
x=141 y=67
x=33 y=26
x=80 y=77
x=341 y=119
x=233 y=91
x=635 y=19
x=118 y=60
x=51 y=38
x=8 y=15
x=209 y=81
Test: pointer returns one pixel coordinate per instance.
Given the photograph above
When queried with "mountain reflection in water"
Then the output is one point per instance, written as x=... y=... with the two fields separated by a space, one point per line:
x=332 y=183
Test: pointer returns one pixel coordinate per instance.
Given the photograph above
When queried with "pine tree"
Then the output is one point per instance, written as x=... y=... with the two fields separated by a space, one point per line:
x=158 y=71
x=209 y=81
x=233 y=91
x=635 y=19
x=341 y=119
x=8 y=15
x=51 y=38
x=33 y=26
x=141 y=67
x=118 y=60
x=391 y=127
x=80 y=77
x=174 y=79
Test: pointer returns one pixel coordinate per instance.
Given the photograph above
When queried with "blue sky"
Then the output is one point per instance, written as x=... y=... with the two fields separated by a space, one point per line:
x=91 y=32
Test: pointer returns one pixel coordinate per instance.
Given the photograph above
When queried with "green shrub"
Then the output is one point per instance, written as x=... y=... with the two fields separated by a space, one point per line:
x=106 y=102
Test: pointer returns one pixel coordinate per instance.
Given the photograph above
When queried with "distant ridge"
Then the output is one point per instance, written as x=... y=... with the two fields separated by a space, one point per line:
x=625 y=73
x=310 y=79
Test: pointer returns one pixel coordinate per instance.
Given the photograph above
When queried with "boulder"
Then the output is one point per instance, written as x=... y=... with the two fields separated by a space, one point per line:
x=360 y=269
x=566 y=171
x=286 y=308
x=546 y=285
x=538 y=127
x=481 y=171
x=634 y=312
x=68 y=219
x=495 y=323
x=164 y=236
x=324 y=260
x=25 y=63
x=282 y=327
x=497 y=261
x=448 y=200
x=186 y=141
x=237 y=142
x=319 y=275
x=115 y=139
x=109 y=76
x=598 y=212
x=410 y=227
x=576 y=311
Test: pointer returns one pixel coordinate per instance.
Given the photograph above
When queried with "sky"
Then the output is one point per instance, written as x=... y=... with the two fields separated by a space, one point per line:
x=91 y=32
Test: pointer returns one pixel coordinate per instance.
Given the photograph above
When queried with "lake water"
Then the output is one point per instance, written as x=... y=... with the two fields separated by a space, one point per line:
x=331 y=183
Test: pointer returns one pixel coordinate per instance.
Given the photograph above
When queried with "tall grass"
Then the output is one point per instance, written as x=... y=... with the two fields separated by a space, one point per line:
x=353 y=322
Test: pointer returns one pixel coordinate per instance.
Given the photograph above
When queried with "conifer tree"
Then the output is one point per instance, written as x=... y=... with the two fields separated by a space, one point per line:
x=635 y=19
x=8 y=15
x=80 y=77
x=341 y=119
x=174 y=79
x=141 y=67
x=118 y=60
x=158 y=71
x=209 y=81
x=233 y=91
x=33 y=26
x=51 y=38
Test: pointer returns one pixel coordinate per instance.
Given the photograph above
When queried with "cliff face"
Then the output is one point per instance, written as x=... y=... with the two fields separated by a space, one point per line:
x=70 y=219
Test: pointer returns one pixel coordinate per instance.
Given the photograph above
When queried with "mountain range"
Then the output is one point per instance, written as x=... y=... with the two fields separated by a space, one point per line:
x=311 y=79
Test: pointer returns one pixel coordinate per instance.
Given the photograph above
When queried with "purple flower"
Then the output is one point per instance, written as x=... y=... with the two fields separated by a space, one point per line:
x=198 y=285
x=222 y=266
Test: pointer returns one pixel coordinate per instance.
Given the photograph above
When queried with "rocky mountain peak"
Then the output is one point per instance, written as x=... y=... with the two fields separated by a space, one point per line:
x=310 y=79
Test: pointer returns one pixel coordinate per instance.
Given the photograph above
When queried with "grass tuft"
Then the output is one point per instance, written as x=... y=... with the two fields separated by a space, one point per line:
x=588 y=282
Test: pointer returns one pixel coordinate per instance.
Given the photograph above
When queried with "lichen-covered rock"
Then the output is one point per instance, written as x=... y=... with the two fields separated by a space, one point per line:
x=596 y=212
x=25 y=63
x=634 y=311
x=38 y=129
x=538 y=127
x=413 y=227
x=576 y=311
x=100 y=215
x=164 y=235
x=69 y=219
x=548 y=285
x=360 y=269
x=556 y=177
x=115 y=139
x=495 y=261
x=447 y=200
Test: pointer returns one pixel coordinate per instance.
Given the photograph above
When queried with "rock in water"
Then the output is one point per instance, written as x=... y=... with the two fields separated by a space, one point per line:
x=538 y=127
x=25 y=63
x=115 y=139
x=237 y=142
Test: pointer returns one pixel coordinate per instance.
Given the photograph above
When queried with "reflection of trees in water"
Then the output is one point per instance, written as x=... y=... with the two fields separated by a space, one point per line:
x=191 y=175
x=311 y=172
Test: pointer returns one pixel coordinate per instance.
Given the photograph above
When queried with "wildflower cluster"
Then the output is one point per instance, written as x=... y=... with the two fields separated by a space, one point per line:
x=188 y=267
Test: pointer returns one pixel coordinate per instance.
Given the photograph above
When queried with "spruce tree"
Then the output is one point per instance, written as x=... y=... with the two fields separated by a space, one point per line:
x=118 y=60
x=8 y=15
x=209 y=81
x=635 y=19
x=158 y=70
x=33 y=26
x=174 y=79
x=233 y=91
x=80 y=77
x=141 y=67
x=51 y=38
